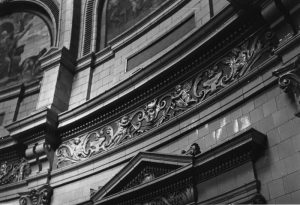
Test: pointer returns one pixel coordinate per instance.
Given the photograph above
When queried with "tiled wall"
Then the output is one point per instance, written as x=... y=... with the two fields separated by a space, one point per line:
x=8 y=108
x=271 y=113
x=27 y=105
x=79 y=191
x=112 y=72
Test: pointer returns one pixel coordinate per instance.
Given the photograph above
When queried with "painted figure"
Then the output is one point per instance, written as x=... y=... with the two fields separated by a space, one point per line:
x=18 y=60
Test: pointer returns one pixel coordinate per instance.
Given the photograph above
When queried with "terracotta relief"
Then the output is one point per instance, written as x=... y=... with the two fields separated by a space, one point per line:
x=238 y=62
x=41 y=196
x=123 y=14
x=14 y=172
x=24 y=38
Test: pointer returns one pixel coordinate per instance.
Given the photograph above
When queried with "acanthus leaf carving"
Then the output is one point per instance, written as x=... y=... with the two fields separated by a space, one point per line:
x=233 y=66
x=289 y=81
x=41 y=196
x=14 y=172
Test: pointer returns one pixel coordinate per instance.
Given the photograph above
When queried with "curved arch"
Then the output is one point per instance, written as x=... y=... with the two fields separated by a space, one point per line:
x=28 y=31
x=91 y=16
x=96 y=33
x=48 y=10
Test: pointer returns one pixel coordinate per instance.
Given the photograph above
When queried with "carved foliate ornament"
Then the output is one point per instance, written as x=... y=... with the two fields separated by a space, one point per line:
x=41 y=196
x=14 y=172
x=237 y=63
x=289 y=81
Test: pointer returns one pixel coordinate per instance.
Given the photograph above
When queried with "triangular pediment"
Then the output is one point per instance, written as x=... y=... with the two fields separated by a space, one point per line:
x=144 y=168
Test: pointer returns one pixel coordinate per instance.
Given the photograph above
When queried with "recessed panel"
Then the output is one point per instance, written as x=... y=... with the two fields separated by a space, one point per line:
x=24 y=38
x=123 y=14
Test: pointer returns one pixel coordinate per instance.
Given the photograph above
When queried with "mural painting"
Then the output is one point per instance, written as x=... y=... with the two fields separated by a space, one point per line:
x=123 y=14
x=24 y=38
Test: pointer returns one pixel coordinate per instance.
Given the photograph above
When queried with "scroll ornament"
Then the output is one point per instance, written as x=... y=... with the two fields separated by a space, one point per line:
x=236 y=64
x=289 y=81
x=14 y=172
x=41 y=196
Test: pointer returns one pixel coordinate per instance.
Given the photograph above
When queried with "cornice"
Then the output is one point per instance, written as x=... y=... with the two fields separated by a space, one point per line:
x=139 y=29
x=286 y=44
x=94 y=105
x=177 y=160
x=59 y=57
x=232 y=69
x=33 y=125
x=248 y=146
x=19 y=90
x=177 y=130
x=11 y=92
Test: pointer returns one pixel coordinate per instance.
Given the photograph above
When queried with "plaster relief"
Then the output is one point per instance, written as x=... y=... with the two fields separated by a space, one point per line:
x=14 y=171
x=228 y=70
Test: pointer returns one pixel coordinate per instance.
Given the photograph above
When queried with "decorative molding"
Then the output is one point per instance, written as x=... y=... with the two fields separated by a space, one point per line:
x=41 y=196
x=92 y=12
x=179 y=193
x=59 y=57
x=143 y=169
x=34 y=127
x=14 y=171
x=248 y=146
x=147 y=174
x=289 y=81
x=37 y=131
x=179 y=185
x=92 y=113
x=235 y=65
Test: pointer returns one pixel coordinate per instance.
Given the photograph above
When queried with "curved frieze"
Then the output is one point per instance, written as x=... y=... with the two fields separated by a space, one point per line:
x=238 y=62
x=14 y=172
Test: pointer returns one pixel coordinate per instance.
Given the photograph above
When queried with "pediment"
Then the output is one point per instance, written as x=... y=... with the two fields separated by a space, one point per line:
x=144 y=168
